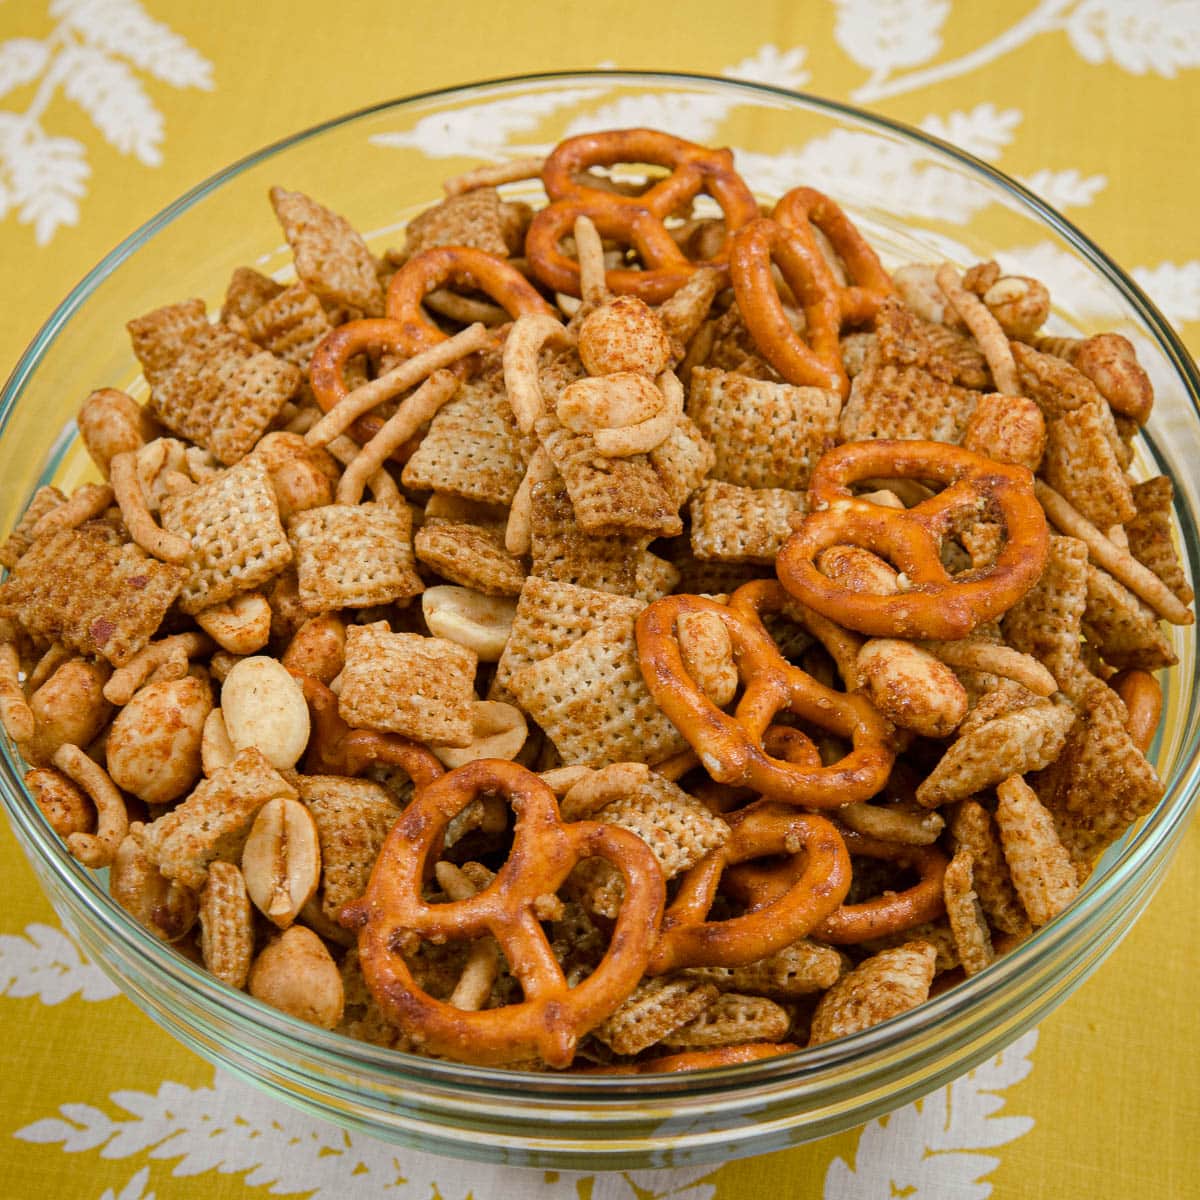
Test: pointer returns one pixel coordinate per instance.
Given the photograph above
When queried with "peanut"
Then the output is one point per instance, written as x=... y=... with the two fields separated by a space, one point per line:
x=241 y=625
x=68 y=708
x=264 y=706
x=498 y=731
x=463 y=615
x=911 y=687
x=318 y=647
x=281 y=861
x=297 y=975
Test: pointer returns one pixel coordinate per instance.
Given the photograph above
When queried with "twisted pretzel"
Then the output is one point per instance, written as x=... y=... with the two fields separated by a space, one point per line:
x=935 y=605
x=731 y=748
x=818 y=884
x=406 y=329
x=760 y=888
x=637 y=221
x=336 y=749
x=552 y=1017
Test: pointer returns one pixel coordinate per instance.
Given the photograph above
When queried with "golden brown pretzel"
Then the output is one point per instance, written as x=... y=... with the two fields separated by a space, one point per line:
x=731 y=747
x=552 y=1017
x=935 y=605
x=637 y=221
x=817 y=885
x=337 y=749
x=892 y=912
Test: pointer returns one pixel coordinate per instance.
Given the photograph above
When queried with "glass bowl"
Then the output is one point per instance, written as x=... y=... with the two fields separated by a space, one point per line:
x=916 y=199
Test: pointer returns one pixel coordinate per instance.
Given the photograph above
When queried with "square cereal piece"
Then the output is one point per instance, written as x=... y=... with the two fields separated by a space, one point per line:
x=1081 y=462
x=331 y=258
x=741 y=524
x=593 y=704
x=353 y=817
x=764 y=434
x=291 y=325
x=421 y=687
x=472 y=448
x=94 y=594
x=683 y=461
x=247 y=291
x=609 y=495
x=1151 y=534
x=232 y=524
x=655 y=577
x=550 y=616
x=470 y=555
x=215 y=820
x=221 y=391
x=473 y=218
x=800 y=969
x=902 y=338
x=45 y=500
x=158 y=338
x=1042 y=871
x=1051 y=382
x=562 y=551
x=353 y=556
x=731 y=1020
x=973 y=833
x=652 y=1010
x=1123 y=630
x=897 y=401
x=734 y=349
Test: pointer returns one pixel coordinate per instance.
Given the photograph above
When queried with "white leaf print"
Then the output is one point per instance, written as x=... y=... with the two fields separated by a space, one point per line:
x=1174 y=287
x=486 y=130
x=45 y=963
x=928 y=1150
x=22 y=60
x=123 y=27
x=45 y=177
x=887 y=34
x=984 y=131
x=135 y=1189
x=113 y=98
x=1140 y=36
x=233 y=1129
x=1065 y=189
x=780 y=68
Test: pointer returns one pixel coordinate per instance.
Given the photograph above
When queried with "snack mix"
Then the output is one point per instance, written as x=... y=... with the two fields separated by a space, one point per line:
x=623 y=635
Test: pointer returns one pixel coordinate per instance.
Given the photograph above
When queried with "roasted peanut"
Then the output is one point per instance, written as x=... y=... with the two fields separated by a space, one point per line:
x=318 y=647
x=1007 y=428
x=911 y=687
x=154 y=743
x=241 y=625
x=708 y=655
x=281 y=861
x=264 y=706
x=624 y=334
x=498 y=731
x=166 y=908
x=68 y=708
x=297 y=975
x=66 y=808
x=1020 y=304
x=216 y=750
x=463 y=615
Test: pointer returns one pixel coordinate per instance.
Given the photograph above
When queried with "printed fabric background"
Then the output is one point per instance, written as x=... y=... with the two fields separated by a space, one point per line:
x=111 y=108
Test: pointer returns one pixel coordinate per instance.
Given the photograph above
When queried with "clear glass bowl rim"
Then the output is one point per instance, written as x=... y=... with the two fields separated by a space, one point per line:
x=836 y=1062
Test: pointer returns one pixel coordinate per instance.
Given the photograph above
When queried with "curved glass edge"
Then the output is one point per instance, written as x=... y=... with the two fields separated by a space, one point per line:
x=287 y=1030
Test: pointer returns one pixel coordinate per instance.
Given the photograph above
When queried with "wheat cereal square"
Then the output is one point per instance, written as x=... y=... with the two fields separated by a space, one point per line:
x=1051 y=382
x=1122 y=629
x=1151 y=535
x=246 y=292
x=683 y=461
x=473 y=218
x=800 y=969
x=353 y=556
x=421 y=687
x=1081 y=463
x=232 y=524
x=889 y=400
x=652 y=1010
x=764 y=434
x=159 y=337
x=593 y=704
x=732 y=1020
x=291 y=325
x=740 y=524
x=96 y=595
x=972 y=937
x=45 y=500
x=331 y=258
x=1042 y=871
x=471 y=555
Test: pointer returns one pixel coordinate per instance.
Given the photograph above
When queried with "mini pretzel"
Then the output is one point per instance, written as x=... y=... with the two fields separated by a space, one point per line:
x=636 y=221
x=337 y=749
x=936 y=606
x=817 y=885
x=553 y=1016
x=732 y=748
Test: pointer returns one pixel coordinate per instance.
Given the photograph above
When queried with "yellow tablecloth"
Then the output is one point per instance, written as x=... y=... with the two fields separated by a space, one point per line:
x=1093 y=102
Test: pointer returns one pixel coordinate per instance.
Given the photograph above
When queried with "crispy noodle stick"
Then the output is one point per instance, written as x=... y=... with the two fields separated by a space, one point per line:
x=15 y=714
x=383 y=486
x=593 y=289
x=518 y=533
x=145 y=531
x=892 y=823
x=399 y=379
x=996 y=660
x=524 y=343
x=479 y=971
x=985 y=329
x=100 y=848
x=85 y=502
x=650 y=433
x=493 y=175
x=54 y=658
x=167 y=659
x=403 y=424
x=466 y=309
x=1120 y=564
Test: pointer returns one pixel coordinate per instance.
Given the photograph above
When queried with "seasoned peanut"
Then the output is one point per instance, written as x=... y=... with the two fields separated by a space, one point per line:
x=241 y=625
x=66 y=808
x=216 y=750
x=297 y=975
x=111 y=423
x=624 y=334
x=498 y=730
x=911 y=687
x=69 y=707
x=1020 y=304
x=608 y=402
x=154 y=743
x=165 y=907
x=463 y=615
x=264 y=706
x=708 y=655
x=318 y=647
x=281 y=861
